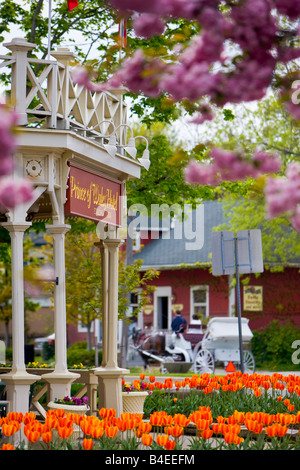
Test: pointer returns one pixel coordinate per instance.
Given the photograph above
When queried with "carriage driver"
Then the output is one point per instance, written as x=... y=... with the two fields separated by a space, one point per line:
x=178 y=324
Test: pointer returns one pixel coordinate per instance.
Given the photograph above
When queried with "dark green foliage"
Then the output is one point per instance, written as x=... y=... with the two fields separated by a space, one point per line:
x=48 y=350
x=272 y=347
x=78 y=354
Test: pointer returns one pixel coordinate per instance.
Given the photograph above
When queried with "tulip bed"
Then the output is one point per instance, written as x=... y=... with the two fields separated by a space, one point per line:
x=235 y=411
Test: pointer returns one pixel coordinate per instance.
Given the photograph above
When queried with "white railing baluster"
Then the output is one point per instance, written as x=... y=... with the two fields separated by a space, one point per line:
x=62 y=103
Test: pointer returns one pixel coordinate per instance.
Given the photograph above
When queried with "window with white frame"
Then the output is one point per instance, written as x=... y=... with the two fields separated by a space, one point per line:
x=199 y=303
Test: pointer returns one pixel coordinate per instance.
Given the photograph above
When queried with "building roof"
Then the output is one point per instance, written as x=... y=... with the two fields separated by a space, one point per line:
x=185 y=243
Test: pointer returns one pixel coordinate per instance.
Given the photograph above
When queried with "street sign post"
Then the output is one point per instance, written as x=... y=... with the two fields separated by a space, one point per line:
x=237 y=255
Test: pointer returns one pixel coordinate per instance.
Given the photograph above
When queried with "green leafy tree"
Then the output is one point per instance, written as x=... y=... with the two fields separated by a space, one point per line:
x=267 y=126
x=84 y=281
x=99 y=47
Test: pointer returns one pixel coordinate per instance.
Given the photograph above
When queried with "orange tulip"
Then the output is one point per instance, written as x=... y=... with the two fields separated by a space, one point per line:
x=282 y=430
x=7 y=447
x=239 y=417
x=32 y=436
x=15 y=416
x=65 y=432
x=86 y=427
x=219 y=428
x=207 y=433
x=257 y=392
x=111 y=431
x=145 y=427
x=97 y=432
x=162 y=439
x=59 y=413
x=285 y=419
x=29 y=418
x=151 y=378
x=236 y=428
x=181 y=420
x=175 y=431
x=87 y=444
x=46 y=437
x=253 y=426
x=168 y=420
x=221 y=419
x=170 y=445
x=103 y=412
x=147 y=439
x=122 y=425
x=8 y=429
x=156 y=420
x=202 y=424
x=271 y=431
x=232 y=438
x=142 y=376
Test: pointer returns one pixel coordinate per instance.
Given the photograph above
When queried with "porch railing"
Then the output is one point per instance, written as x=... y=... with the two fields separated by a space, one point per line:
x=46 y=94
x=87 y=379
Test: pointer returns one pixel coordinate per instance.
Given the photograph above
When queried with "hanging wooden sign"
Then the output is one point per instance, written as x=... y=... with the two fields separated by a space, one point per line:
x=253 y=298
x=93 y=196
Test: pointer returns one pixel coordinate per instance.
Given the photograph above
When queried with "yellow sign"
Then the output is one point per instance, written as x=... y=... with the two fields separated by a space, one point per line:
x=176 y=307
x=148 y=309
x=253 y=298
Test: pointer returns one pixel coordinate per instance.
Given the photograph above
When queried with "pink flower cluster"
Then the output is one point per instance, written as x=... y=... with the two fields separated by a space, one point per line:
x=13 y=191
x=202 y=69
x=283 y=195
x=231 y=166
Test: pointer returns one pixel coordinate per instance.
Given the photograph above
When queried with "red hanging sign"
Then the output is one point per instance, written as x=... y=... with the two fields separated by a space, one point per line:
x=93 y=196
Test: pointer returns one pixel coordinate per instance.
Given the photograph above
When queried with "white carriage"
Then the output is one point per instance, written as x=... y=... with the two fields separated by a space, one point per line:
x=219 y=343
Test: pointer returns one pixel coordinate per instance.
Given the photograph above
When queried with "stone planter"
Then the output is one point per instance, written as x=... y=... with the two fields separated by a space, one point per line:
x=133 y=402
x=77 y=409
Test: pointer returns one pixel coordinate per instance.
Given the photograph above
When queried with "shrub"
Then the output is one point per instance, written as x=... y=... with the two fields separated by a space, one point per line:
x=48 y=350
x=78 y=345
x=82 y=356
x=272 y=347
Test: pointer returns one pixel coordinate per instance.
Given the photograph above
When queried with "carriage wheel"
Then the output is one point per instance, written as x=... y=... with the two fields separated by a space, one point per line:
x=249 y=362
x=204 y=362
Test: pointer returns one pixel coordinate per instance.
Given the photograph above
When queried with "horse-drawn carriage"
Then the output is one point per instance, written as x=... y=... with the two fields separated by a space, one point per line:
x=219 y=342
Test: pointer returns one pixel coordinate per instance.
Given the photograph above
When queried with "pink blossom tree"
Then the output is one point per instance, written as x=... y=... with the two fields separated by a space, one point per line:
x=13 y=191
x=237 y=54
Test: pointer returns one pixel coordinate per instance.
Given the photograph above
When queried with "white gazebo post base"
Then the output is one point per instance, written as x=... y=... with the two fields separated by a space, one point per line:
x=18 y=389
x=110 y=388
x=60 y=383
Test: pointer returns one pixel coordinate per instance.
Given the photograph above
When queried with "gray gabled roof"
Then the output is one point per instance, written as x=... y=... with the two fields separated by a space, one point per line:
x=186 y=243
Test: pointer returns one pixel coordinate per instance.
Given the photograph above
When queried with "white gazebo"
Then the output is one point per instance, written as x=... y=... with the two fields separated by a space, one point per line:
x=72 y=146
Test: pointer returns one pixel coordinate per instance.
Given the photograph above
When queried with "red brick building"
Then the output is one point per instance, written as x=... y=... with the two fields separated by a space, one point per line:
x=186 y=283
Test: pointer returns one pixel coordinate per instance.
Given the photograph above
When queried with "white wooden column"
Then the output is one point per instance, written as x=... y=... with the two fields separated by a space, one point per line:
x=19 y=48
x=18 y=381
x=60 y=379
x=104 y=270
x=109 y=374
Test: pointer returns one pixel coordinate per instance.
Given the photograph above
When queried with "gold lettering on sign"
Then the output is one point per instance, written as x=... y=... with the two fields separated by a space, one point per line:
x=94 y=194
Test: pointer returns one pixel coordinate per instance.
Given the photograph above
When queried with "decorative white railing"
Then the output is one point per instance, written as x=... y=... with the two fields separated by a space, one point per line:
x=45 y=95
